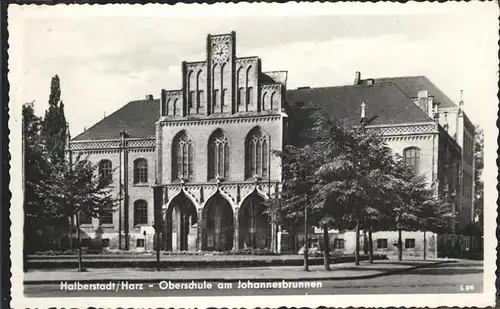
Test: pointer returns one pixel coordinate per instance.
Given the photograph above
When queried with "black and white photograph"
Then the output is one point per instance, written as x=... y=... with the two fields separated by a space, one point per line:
x=298 y=154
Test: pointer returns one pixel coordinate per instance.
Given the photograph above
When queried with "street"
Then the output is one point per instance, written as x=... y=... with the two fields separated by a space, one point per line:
x=459 y=277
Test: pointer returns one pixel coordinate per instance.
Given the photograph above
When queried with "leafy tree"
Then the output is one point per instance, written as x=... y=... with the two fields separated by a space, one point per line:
x=294 y=204
x=76 y=190
x=36 y=169
x=351 y=173
x=300 y=159
x=434 y=215
x=54 y=123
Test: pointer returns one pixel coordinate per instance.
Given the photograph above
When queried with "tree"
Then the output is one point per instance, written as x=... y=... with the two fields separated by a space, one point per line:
x=54 y=123
x=36 y=169
x=351 y=172
x=77 y=190
x=434 y=215
x=300 y=160
x=294 y=204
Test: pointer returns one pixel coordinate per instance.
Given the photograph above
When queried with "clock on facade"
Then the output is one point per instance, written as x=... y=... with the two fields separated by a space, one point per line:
x=220 y=53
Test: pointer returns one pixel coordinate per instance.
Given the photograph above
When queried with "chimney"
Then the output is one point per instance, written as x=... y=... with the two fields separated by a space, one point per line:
x=430 y=106
x=357 y=78
x=149 y=97
x=422 y=100
x=445 y=125
x=68 y=135
x=163 y=103
x=461 y=104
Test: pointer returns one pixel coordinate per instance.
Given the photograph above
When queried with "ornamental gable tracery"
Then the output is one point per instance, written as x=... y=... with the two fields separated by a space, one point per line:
x=405 y=129
x=235 y=192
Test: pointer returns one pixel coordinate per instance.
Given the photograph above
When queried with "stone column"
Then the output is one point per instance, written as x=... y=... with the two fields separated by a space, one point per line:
x=217 y=227
x=236 y=238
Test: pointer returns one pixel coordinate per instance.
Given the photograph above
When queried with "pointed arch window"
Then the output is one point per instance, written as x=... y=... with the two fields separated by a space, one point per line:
x=216 y=100
x=218 y=155
x=106 y=170
x=201 y=99
x=174 y=108
x=273 y=101
x=169 y=108
x=257 y=154
x=225 y=97
x=265 y=101
x=192 y=99
x=241 y=97
x=411 y=157
x=182 y=155
x=140 y=171
x=249 y=96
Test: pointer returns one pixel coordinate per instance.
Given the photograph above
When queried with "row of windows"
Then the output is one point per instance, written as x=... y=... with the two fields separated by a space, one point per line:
x=221 y=99
x=339 y=243
x=140 y=170
x=257 y=152
x=468 y=148
x=467 y=184
x=140 y=243
x=140 y=215
x=382 y=243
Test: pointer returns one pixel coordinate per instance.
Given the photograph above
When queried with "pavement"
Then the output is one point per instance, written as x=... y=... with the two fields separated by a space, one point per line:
x=343 y=271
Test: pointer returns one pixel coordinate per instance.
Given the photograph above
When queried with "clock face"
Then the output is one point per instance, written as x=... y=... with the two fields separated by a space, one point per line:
x=220 y=53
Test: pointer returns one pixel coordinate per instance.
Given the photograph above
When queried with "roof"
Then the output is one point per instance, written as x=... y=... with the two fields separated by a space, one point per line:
x=137 y=118
x=386 y=102
x=411 y=85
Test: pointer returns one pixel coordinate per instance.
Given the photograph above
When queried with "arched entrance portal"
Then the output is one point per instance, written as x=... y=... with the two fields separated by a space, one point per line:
x=254 y=224
x=218 y=224
x=181 y=224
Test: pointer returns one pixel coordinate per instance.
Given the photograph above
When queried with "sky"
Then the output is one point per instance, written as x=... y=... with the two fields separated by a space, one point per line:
x=106 y=58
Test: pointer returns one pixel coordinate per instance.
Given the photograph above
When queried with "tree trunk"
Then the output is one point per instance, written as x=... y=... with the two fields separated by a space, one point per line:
x=326 y=243
x=370 y=245
x=71 y=228
x=78 y=243
x=157 y=243
x=356 y=250
x=400 y=245
x=425 y=245
x=365 y=241
x=306 y=249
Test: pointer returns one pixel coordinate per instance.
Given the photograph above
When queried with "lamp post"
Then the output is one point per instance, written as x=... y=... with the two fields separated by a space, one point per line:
x=306 y=250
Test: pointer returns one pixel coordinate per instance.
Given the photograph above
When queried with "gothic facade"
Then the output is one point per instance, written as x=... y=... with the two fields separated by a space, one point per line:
x=208 y=147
